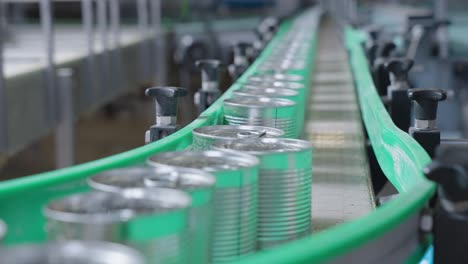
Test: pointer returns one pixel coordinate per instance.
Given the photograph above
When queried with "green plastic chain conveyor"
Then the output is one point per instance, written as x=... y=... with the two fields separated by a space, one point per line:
x=400 y=157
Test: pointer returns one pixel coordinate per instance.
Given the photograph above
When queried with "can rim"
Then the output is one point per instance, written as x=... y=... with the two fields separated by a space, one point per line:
x=237 y=160
x=258 y=102
x=145 y=177
x=69 y=209
x=268 y=92
x=204 y=131
x=240 y=144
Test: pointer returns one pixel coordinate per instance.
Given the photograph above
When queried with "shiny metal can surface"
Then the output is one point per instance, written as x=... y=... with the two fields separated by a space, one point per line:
x=284 y=189
x=197 y=183
x=204 y=137
x=71 y=252
x=235 y=197
x=153 y=221
x=268 y=92
x=272 y=77
x=262 y=111
x=274 y=84
x=3 y=230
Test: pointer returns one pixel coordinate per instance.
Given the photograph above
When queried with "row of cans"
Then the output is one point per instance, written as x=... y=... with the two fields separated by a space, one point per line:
x=242 y=187
x=275 y=96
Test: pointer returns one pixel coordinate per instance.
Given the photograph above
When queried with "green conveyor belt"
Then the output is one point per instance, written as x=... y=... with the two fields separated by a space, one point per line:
x=400 y=157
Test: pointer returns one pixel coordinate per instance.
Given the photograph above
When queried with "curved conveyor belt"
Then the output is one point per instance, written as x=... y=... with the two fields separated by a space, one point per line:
x=375 y=236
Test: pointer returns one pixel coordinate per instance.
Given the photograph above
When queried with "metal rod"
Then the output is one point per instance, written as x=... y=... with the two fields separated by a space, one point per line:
x=64 y=136
x=88 y=23
x=117 y=66
x=3 y=99
x=441 y=13
x=144 y=29
x=102 y=25
x=46 y=14
x=159 y=45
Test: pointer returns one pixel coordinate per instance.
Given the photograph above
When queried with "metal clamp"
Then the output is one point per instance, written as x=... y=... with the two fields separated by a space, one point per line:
x=166 y=99
x=209 y=91
x=450 y=231
x=425 y=102
x=399 y=104
x=242 y=51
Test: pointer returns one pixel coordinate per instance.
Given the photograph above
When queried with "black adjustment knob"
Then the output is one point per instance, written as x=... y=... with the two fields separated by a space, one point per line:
x=399 y=69
x=450 y=171
x=386 y=49
x=242 y=49
x=379 y=70
x=425 y=102
x=267 y=28
x=166 y=99
x=374 y=33
x=450 y=212
x=209 y=69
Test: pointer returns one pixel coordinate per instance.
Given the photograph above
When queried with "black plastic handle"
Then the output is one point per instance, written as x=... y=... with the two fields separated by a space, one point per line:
x=426 y=102
x=386 y=49
x=399 y=68
x=241 y=49
x=450 y=171
x=166 y=98
x=209 y=69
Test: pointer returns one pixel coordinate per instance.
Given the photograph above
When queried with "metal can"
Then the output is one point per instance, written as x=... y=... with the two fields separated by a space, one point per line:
x=3 y=230
x=235 y=197
x=269 y=77
x=262 y=111
x=71 y=252
x=199 y=184
x=284 y=188
x=204 y=137
x=300 y=102
x=154 y=221
x=276 y=84
x=268 y=92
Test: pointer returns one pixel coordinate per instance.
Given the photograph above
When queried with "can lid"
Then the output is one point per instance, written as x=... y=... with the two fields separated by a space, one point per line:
x=3 y=229
x=269 y=92
x=258 y=102
x=79 y=252
x=231 y=132
x=106 y=207
x=275 y=84
x=208 y=160
x=139 y=177
x=277 y=76
x=181 y=178
x=264 y=145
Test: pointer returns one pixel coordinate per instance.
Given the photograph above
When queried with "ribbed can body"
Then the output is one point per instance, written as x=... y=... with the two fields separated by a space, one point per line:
x=159 y=232
x=197 y=183
x=263 y=111
x=204 y=137
x=234 y=200
x=284 y=187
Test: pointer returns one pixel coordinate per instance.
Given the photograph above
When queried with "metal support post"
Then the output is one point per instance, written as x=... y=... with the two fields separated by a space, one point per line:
x=118 y=74
x=46 y=15
x=64 y=136
x=159 y=42
x=144 y=29
x=88 y=24
x=3 y=99
x=441 y=15
x=102 y=25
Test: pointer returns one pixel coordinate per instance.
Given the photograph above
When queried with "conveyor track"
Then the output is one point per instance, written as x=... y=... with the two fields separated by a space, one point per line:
x=341 y=189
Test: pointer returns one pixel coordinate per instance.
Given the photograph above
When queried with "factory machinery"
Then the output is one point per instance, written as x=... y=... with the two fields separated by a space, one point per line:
x=331 y=155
